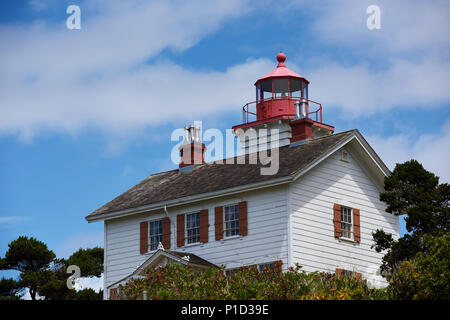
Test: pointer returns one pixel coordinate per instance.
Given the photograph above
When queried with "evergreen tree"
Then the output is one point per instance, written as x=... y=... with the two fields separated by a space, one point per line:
x=415 y=193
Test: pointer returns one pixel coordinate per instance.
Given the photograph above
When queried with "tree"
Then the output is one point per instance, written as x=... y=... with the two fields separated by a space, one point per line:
x=8 y=289
x=427 y=275
x=42 y=273
x=31 y=257
x=413 y=192
x=90 y=262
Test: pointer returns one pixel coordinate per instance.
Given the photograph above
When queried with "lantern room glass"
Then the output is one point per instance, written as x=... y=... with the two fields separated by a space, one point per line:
x=280 y=88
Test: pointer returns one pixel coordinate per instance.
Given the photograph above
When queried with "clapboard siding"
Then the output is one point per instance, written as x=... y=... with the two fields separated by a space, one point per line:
x=312 y=197
x=266 y=240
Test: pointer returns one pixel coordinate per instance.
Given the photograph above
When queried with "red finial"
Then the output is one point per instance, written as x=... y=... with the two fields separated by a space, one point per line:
x=281 y=57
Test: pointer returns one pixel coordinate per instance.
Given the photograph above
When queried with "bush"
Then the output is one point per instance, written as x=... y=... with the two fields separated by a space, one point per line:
x=427 y=275
x=179 y=283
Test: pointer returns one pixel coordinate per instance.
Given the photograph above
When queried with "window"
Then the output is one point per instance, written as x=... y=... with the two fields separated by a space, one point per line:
x=344 y=156
x=347 y=273
x=193 y=227
x=262 y=266
x=231 y=272
x=155 y=234
x=231 y=220
x=346 y=222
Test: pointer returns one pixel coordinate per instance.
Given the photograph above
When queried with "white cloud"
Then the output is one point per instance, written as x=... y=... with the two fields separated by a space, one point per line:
x=363 y=92
x=95 y=283
x=59 y=79
x=432 y=150
x=404 y=64
x=8 y=221
x=407 y=27
x=110 y=75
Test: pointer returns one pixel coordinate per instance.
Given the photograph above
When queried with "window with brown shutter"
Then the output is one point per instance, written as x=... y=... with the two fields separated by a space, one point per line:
x=348 y=273
x=243 y=218
x=337 y=220
x=180 y=230
x=218 y=222
x=113 y=294
x=204 y=226
x=356 y=226
x=166 y=233
x=143 y=245
x=279 y=265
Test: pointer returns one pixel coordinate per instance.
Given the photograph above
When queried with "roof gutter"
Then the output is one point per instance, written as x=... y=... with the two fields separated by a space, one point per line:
x=189 y=199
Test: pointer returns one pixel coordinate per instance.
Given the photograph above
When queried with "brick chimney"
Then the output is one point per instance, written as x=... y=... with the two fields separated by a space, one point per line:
x=192 y=150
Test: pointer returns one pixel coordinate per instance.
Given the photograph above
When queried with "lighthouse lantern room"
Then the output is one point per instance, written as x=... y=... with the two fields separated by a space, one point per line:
x=282 y=102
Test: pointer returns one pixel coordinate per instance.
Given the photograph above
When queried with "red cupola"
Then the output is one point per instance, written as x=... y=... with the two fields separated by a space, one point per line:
x=282 y=97
x=277 y=90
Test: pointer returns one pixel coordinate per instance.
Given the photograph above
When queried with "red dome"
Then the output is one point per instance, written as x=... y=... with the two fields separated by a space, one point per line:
x=281 y=71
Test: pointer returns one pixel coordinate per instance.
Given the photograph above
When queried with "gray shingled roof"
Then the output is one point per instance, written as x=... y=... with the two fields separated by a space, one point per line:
x=209 y=177
x=194 y=259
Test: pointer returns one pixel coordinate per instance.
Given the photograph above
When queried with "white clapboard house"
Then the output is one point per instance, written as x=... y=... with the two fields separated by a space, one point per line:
x=318 y=209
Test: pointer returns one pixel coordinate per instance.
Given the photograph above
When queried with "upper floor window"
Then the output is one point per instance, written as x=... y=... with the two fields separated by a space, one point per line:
x=155 y=234
x=231 y=220
x=346 y=222
x=193 y=227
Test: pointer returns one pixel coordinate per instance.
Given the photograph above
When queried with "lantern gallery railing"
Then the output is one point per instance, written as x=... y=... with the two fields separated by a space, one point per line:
x=304 y=108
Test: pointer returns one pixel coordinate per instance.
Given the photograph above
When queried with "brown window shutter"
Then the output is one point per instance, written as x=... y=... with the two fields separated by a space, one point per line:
x=143 y=237
x=166 y=233
x=113 y=295
x=242 y=207
x=356 y=226
x=339 y=271
x=204 y=225
x=337 y=220
x=278 y=265
x=218 y=222
x=180 y=230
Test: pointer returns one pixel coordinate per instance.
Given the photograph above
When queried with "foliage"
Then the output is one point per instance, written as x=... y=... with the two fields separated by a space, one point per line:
x=42 y=273
x=416 y=193
x=88 y=294
x=427 y=275
x=31 y=257
x=179 y=283
x=90 y=261
x=8 y=289
x=27 y=255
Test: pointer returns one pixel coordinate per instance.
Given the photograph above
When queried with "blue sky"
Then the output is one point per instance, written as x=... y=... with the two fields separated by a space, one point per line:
x=86 y=114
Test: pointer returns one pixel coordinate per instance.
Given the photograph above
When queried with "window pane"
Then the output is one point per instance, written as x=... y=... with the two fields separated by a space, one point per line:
x=193 y=227
x=231 y=220
x=155 y=234
x=346 y=222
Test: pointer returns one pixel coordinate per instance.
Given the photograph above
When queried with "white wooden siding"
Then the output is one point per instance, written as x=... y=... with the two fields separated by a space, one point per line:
x=266 y=241
x=312 y=197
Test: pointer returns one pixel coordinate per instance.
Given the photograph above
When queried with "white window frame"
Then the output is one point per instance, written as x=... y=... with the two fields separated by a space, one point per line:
x=236 y=228
x=186 y=229
x=346 y=220
x=261 y=266
x=150 y=243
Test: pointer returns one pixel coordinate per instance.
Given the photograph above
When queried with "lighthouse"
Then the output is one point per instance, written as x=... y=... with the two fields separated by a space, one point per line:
x=282 y=105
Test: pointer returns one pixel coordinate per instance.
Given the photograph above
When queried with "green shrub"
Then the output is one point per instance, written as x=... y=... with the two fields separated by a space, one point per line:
x=427 y=275
x=177 y=282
